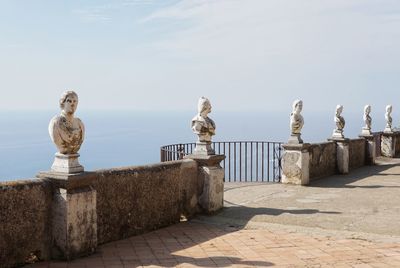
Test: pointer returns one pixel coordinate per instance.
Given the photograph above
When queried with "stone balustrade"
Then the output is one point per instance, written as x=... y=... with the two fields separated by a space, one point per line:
x=67 y=211
x=129 y=201
x=304 y=162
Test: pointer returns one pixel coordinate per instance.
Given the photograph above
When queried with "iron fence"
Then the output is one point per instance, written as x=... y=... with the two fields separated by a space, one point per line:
x=246 y=161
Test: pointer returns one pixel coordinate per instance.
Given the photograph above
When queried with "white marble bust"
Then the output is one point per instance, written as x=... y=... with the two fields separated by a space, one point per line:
x=296 y=119
x=366 y=130
x=339 y=121
x=389 y=120
x=202 y=125
x=367 y=117
x=66 y=131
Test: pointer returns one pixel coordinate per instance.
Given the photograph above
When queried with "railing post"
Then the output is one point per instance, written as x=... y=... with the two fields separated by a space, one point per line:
x=212 y=175
x=296 y=164
x=342 y=155
x=388 y=144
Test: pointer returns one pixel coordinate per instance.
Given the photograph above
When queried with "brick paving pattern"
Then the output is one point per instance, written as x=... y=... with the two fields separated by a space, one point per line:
x=194 y=244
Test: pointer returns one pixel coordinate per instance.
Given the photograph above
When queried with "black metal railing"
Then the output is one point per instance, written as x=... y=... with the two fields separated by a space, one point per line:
x=246 y=161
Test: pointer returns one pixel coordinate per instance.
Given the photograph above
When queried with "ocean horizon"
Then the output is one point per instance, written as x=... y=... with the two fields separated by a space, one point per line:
x=130 y=138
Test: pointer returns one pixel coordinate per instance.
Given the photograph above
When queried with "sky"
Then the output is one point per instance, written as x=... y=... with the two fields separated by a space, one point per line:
x=253 y=55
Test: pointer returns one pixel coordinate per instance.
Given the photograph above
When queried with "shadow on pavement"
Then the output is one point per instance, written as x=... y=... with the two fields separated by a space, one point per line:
x=346 y=181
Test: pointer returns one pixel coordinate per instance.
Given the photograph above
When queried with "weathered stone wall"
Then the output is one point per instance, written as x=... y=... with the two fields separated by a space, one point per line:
x=24 y=221
x=357 y=151
x=134 y=200
x=130 y=201
x=397 y=147
x=322 y=160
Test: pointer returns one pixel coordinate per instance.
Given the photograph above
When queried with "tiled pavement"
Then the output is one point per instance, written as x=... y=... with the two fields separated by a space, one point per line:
x=196 y=244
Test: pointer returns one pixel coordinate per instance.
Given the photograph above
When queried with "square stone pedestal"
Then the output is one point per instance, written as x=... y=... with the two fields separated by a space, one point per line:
x=296 y=164
x=203 y=148
x=74 y=216
x=212 y=174
x=67 y=164
x=342 y=154
x=388 y=144
x=370 y=153
x=295 y=139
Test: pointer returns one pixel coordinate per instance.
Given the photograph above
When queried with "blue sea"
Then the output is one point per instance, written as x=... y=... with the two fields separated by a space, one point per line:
x=129 y=138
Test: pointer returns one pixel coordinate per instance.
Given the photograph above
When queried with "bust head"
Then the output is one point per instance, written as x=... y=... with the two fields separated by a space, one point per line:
x=389 y=109
x=69 y=102
x=204 y=106
x=367 y=109
x=297 y=106
x=339 y=109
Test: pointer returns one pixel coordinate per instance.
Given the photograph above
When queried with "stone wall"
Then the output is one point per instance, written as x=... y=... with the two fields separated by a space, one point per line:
x=357 y=153
x=134 y=200
x=397 y=147
x=322 y=160
x=130 y=201
x=24 y=221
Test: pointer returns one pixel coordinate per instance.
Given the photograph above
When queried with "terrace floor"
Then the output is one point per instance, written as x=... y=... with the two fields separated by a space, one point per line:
x=341 y=221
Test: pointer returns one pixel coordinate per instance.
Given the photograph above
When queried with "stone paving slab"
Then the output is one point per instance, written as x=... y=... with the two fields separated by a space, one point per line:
x=367 y=200
x=195 y=244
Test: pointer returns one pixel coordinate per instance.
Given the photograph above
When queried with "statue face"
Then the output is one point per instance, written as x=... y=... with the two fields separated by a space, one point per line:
x=339 y=110
x=70 y=104
x=206 y=109
x=299 y=107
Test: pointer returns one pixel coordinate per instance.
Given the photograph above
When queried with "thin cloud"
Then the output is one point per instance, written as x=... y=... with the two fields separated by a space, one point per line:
x=93 y=14
x=107 y=11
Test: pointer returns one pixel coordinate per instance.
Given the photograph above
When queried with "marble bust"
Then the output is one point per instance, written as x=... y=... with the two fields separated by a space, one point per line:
x=367 y=121
x=296 y=122
x=340 y=122
x=389 y=120
x=67 y=132
x=204 y=127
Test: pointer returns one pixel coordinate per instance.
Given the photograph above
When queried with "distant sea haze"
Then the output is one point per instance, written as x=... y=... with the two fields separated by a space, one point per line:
x=134 y=138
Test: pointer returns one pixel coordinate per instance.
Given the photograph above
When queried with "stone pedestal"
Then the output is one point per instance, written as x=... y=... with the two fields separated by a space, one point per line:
x=212 y=174
x=365 y=132
x=388 y=144
x=295 y=164
x=370 y=153
x=203 y=148
x=295 y=139
x=337 y=135
x=342 y=155
x=73 y=214
x=66 y=163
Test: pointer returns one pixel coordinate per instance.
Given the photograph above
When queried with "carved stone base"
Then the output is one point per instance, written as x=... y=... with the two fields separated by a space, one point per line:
x=67 y=163
x=295 y=139
x=74 y=226
x=203 y=148
x=388 y=145
x=296 y=164
x=212 y=175
x=370 y=154
x=342 y=156
x=388 y=130
x=74 y=215
x=337 y=134
x=366 y=132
